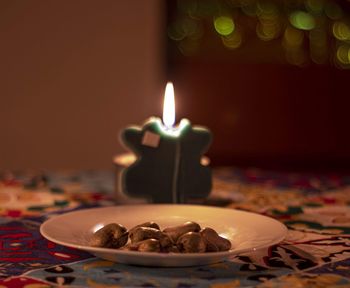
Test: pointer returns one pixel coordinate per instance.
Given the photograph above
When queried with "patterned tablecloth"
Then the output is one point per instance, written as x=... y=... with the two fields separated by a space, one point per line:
x=316 y=252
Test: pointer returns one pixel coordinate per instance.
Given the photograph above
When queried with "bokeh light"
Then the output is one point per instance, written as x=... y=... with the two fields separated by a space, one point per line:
x=224 y=25
x=268 y=31
x=293 y=37
x=268 y=27
x=266 y=10
x=343 y=54
x=341 y=31
x=315 y=6
x=302 y=20
x=308 y=30
x=233 y=41
x=183 y=28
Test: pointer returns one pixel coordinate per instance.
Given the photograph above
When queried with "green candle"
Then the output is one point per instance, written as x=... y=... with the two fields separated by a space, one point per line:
x=168 y=167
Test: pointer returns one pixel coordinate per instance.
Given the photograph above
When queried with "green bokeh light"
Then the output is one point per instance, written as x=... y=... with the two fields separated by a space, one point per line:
x=224 y=25
x=302 y=20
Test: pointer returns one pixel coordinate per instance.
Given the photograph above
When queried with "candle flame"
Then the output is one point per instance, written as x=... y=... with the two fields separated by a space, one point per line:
x=169 y=106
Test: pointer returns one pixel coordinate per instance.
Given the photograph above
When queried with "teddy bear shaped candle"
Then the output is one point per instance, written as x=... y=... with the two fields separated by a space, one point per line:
x=168 y=167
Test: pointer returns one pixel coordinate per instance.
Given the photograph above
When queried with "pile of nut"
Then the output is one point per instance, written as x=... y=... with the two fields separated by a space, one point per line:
x=148 y=237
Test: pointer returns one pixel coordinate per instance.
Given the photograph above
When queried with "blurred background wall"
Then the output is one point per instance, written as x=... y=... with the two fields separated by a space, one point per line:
x=72 y=75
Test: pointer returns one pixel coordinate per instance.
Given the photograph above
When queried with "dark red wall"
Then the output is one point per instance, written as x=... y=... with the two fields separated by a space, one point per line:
x=269 y=115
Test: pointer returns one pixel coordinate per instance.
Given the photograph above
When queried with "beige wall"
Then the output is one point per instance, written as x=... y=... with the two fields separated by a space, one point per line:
x=72 y=74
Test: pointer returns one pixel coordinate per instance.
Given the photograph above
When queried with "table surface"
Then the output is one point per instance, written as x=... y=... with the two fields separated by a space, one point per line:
x=315 y=253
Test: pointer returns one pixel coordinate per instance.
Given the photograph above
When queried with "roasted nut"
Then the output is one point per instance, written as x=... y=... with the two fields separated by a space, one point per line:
x=149 y=224
x=165 y=241
x=148 y=245
x=129 y=247
x=176 y=231
x=147 y=237
x=141 y=233
x=214 y=241
x=171 y=249
x=191 y=242
x=110 y=236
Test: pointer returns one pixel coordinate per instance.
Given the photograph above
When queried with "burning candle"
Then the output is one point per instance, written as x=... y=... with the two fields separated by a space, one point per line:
x=168 y=166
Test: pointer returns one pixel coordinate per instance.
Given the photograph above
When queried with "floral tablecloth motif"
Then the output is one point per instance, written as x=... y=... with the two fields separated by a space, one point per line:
x=315 y=253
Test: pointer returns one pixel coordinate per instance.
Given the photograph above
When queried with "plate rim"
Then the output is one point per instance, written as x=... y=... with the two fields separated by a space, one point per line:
x=228 y=253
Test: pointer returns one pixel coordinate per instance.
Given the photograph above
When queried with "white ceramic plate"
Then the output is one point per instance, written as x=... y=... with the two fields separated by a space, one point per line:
x=246 y=231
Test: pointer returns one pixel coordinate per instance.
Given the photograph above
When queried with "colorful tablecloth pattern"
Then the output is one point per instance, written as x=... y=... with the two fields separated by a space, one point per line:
x=315 y=208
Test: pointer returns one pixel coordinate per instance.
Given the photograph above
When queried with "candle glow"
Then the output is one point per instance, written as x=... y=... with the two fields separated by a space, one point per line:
x=169 y=106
